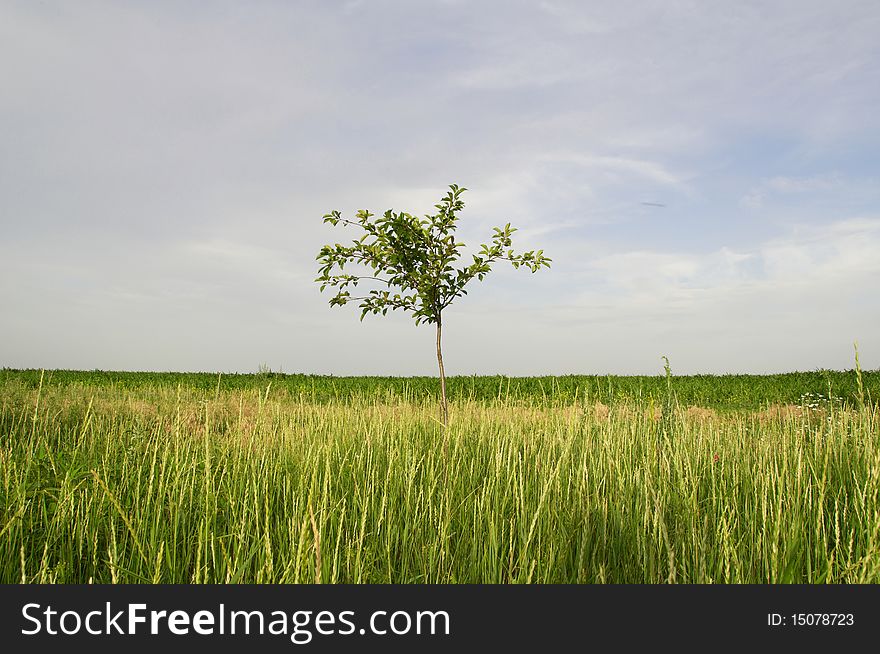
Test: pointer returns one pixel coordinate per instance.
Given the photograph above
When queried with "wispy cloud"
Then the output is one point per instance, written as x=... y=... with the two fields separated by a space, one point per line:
x=787 y=185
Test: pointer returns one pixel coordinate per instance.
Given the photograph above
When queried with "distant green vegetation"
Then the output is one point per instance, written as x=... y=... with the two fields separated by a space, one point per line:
x=142 y=478
x=720 y=392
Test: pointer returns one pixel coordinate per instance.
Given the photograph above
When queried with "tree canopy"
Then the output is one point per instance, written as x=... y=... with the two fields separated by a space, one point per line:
x=415 y=262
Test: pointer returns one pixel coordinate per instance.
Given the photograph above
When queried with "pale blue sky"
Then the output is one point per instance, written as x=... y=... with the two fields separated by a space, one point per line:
x=164 y=168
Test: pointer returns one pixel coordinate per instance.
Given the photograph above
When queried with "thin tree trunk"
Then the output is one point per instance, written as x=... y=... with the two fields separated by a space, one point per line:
x=443 y=404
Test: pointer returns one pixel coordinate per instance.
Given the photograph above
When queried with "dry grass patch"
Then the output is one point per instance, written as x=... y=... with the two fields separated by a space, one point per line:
x=701 y=414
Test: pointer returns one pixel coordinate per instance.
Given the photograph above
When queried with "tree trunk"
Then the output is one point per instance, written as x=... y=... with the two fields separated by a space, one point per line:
x=444 y=407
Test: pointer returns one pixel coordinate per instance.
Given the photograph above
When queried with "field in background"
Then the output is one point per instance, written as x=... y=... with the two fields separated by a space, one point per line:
x=721 y=393
x=149 y=477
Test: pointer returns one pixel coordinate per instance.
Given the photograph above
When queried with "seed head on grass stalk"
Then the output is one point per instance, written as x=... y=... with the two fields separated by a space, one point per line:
x=405 y=262
x=667 y=417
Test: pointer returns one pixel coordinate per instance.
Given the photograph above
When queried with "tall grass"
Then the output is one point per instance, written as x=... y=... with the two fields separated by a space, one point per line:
x=103 y=483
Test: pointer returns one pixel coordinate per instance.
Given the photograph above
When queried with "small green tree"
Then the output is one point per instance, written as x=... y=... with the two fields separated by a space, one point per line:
x=412 y=261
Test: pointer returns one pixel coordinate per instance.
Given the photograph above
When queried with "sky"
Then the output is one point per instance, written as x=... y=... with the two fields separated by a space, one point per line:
x=165 y=166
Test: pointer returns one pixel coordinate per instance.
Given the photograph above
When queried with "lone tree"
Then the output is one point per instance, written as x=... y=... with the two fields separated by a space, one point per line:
x=412 y=260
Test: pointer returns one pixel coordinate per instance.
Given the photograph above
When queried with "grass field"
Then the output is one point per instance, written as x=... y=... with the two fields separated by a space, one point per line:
x=148 y=477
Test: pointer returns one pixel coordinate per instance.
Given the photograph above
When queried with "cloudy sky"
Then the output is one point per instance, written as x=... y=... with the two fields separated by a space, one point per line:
x=164 y=168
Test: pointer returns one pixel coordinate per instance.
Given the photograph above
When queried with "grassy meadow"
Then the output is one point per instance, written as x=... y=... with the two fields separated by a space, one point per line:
x=271 y=478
